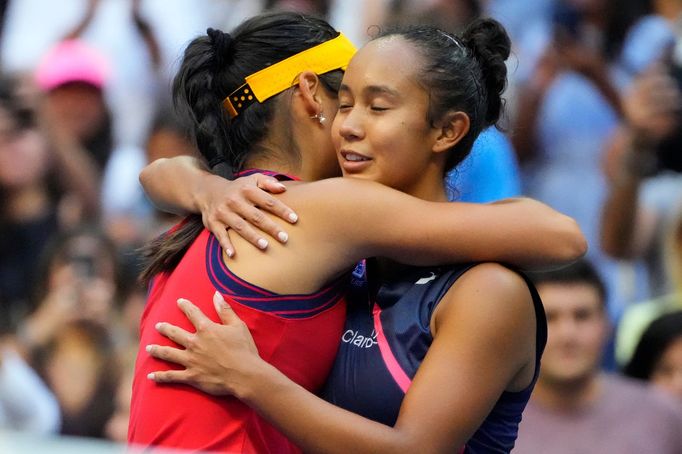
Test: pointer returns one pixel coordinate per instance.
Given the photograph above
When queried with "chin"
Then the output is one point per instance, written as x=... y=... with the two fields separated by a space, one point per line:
x=359 y=176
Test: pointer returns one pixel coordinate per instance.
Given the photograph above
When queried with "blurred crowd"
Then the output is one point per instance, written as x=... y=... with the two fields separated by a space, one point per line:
x=592 y=128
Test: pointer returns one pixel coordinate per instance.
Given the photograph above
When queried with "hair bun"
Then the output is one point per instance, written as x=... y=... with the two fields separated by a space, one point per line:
x=491 y=46
x=222 y=44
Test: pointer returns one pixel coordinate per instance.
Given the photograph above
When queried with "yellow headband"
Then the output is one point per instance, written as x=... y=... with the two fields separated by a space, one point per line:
x=259 y=86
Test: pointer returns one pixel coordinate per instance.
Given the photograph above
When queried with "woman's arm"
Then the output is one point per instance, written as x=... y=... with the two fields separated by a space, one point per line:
x=522 y=231
x=444 y=405
x=367 y=219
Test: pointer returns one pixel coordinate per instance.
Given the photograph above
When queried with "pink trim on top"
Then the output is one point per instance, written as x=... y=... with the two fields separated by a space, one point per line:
x=391 y=363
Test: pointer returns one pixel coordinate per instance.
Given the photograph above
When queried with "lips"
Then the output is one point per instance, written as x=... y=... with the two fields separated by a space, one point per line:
x=353 y=156
x=353 y=162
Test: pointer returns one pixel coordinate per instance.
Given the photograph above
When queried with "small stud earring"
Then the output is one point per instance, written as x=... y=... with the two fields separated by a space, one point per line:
x=319 y=117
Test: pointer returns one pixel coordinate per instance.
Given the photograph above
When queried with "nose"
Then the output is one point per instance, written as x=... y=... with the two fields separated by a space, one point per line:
x=350 y=125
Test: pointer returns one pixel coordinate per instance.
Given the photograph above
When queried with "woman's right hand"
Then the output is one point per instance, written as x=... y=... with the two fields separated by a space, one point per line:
x=182 y=185
x=241 y=205
x=218 y=359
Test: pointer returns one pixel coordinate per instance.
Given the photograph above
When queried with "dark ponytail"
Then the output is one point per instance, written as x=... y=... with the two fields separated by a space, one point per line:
x=466 y=73
x=213 y=66
x=490 y=46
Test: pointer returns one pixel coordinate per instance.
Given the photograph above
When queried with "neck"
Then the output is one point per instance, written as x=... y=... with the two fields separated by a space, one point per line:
x=25 y=204
x=276 y=152
x=567 y=395
x=430 y=186
x=281 y=150
x=270 y=159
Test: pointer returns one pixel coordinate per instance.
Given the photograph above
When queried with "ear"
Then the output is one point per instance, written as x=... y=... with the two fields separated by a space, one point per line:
x=309 y=86
x=453 y=127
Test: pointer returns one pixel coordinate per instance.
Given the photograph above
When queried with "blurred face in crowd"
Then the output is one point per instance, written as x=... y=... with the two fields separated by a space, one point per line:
x=85 y=269
x=577 y=331
x=79 y=108
x=23 y=154
x=667 y=371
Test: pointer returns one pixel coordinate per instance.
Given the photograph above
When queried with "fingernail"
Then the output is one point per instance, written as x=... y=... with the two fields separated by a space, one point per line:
x=219 y=302
x=158 y=325
x=283 y=237
x=182 y=300
x=148 y=348
x=293 y=217
x=229 y=252
x=150 y=376
x=281 y=186
x=262 y=243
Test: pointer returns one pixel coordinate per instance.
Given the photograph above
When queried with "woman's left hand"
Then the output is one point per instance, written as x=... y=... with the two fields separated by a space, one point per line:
x=218 y=358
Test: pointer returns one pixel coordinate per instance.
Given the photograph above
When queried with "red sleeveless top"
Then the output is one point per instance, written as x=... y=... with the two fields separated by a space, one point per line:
x=298 y=334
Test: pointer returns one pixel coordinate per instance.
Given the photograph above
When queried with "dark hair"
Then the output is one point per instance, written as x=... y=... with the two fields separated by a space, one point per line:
x=659 y=335
x=23 y=117
x=12 y=103
x=580 y=272
x=466 y=73
x=213 y=66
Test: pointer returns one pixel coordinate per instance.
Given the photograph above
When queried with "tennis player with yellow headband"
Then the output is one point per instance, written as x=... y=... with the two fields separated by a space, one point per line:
x=291 y=298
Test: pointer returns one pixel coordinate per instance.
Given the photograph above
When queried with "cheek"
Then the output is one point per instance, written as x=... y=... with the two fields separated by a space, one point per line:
x=335 y=135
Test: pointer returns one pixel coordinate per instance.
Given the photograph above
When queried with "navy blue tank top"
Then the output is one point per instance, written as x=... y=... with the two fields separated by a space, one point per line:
x=384 y=343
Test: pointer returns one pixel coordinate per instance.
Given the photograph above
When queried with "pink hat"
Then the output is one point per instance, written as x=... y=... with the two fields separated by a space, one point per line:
x=72 y=61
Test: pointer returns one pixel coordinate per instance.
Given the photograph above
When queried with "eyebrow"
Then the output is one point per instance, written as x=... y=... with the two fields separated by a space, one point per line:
x=373 y=90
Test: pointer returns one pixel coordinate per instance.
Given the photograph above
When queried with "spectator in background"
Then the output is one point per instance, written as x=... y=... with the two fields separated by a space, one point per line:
x=643 y=165
x=80 y=280
x=26 y=404
x=129 y=217
x=570 y=76
x=73 y=75
x=44 y=186
x=637 y=317
x=575 y=407
x=642 y=214
x=78 y=364
x=658 y=356
x=73 y=334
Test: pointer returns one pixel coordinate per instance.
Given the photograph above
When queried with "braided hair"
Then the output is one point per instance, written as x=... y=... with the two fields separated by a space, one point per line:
x=214 y=65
